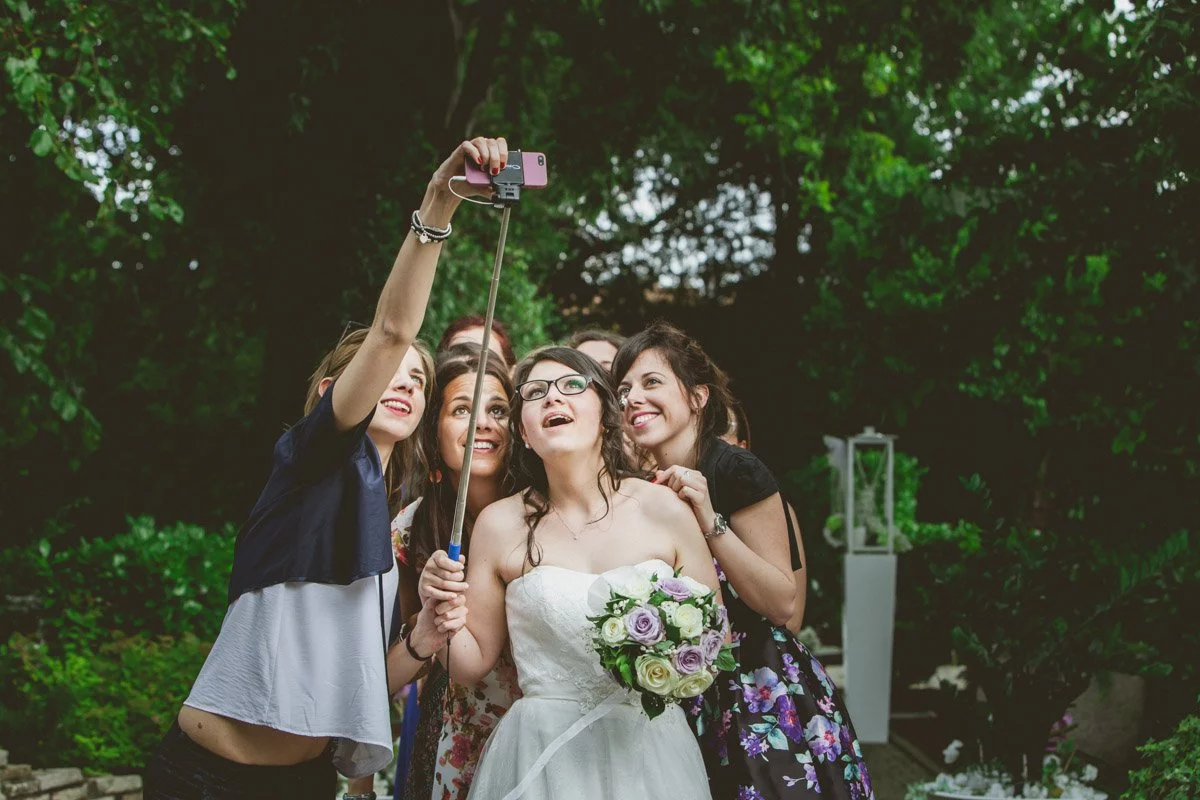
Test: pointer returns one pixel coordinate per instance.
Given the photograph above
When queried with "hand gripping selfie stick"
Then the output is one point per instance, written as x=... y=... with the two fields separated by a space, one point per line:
x=508 y=193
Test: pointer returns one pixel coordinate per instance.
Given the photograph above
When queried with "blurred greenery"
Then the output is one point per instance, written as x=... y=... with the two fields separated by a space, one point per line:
x=969 y=224
x=1169 y=767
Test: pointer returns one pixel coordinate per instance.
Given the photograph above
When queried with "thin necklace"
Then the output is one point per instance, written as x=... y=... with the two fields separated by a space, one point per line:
x=574 y=535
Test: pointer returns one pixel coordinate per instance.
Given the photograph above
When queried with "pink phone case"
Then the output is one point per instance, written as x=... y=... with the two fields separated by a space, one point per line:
x=533 y=167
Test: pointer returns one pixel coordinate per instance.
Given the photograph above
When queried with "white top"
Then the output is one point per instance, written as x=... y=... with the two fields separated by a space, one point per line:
x=308 y=659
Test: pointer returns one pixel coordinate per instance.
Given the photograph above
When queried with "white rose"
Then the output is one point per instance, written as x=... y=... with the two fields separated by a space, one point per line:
x=693 y=685
x=689 y=620
x=628 y=582
x=656 y=674
x=668 y=607
x=613 y=631
x=695 y=587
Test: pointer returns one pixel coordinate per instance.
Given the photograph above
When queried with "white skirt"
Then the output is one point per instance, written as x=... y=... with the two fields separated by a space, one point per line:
x=548 y=749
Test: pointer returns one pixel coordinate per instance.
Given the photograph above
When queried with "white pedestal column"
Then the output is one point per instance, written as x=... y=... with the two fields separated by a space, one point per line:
x=867 y=627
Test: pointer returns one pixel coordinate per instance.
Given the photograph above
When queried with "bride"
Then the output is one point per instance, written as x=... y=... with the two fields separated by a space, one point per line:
x=535 y=558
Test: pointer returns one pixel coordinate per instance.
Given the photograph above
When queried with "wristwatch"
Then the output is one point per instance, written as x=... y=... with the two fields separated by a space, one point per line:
x=720 y=527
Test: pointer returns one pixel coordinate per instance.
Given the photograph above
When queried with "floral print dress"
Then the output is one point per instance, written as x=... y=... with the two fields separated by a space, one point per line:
x=777 y=727
x=455 y=720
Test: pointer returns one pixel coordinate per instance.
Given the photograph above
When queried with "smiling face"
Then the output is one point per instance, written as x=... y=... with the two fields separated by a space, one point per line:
x=400 y=409
x=560 y=423
x=491 y=427
x=657 y=408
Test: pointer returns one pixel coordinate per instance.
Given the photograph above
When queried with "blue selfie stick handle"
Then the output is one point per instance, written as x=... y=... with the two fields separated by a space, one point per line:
x=453 y=550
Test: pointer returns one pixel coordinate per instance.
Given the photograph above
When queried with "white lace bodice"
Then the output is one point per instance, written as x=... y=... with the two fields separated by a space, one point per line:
x=551 y=637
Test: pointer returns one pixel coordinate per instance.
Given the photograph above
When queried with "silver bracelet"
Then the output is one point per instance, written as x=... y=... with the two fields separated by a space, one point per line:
x=428 y=233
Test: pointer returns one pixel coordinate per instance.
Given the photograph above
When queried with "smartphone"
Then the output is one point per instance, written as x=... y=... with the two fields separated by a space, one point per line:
x=523 y=169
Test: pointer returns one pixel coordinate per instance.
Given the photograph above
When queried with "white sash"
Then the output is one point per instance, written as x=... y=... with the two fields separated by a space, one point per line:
x=577 y=727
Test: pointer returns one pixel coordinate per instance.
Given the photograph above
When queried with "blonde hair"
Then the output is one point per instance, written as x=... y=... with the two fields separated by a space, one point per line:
x=408 y=459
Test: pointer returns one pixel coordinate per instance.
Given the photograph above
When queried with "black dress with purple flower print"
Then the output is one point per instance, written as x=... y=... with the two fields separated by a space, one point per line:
x=775 y=728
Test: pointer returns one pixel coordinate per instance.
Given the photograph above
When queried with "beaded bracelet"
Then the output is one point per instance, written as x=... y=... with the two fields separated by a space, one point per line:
x=428 y=233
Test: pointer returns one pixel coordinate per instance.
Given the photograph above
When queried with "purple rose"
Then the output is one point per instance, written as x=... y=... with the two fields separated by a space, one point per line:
x=675 y=588
x=823 y=737
x=689 y=659
x=644 y=625
x=711 y=643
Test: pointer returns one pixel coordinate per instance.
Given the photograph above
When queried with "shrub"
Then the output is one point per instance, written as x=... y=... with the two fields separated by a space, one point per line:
x=1172 y=766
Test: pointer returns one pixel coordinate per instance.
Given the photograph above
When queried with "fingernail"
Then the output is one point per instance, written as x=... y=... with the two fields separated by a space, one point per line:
x=503 y=164
x=479 y=161
x=495 y=171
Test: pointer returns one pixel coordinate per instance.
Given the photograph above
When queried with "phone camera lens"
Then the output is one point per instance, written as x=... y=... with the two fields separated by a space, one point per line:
x=541 y=161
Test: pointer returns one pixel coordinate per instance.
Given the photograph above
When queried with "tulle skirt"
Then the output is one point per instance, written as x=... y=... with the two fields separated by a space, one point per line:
x=546 y=749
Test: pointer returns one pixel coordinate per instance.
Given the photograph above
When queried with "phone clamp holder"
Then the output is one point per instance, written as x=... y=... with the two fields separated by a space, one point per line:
x=509 y=181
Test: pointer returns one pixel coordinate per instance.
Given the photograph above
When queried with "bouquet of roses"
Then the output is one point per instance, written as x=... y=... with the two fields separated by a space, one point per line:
x=661 y=635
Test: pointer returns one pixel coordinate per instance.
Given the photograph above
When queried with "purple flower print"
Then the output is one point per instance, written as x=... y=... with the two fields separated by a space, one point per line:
x=749 y=793
x=823 y=737
x=826 y=705
x=674 y=588
x=865 y=778
x=789 y=719
x=644 y=625
x=790 y=668
x=760 y=696
x=689 y=659
x=753 y=745
x=819 y=671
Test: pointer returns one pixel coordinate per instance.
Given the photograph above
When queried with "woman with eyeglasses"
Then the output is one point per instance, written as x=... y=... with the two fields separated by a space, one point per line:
x=779 y=729
x=296 y=687
x=580 y=513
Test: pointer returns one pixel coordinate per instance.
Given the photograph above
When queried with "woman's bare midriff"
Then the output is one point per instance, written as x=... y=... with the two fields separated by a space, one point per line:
x=248 y=744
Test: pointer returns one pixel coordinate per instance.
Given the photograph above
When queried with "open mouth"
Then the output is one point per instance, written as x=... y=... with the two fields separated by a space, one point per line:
x=484 y=447
x=642 y=419
x=398 y=406
x=555 y=420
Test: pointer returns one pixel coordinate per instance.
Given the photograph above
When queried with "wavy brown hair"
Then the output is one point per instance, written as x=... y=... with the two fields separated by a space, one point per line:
x=692 y=367
x=528 y=469
x=434 y=518
x=407 y=456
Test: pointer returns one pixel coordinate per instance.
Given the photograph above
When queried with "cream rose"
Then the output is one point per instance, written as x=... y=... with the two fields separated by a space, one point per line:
x=628 y=582
x=655 y=674
x=689 y=620
x=696 y=587
x=693 y=685
x=613 y=630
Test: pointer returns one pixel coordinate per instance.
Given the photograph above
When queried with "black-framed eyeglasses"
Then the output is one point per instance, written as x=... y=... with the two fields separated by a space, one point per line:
x=567 y=384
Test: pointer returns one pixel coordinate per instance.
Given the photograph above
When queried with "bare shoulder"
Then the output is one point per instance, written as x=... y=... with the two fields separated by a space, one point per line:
x=660 y=503
x=502 y=524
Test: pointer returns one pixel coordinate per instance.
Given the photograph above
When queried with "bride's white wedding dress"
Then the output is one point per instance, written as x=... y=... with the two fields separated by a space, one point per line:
x=576 y=734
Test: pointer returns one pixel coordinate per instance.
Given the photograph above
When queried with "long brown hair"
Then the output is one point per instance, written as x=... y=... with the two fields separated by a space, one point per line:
x=691 y=366
x=407 y=456
x=528 y=469
x=434 y=518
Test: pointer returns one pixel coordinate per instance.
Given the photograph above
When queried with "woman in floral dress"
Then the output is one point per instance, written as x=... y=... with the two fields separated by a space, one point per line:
x=777 y=728
x=455 y=720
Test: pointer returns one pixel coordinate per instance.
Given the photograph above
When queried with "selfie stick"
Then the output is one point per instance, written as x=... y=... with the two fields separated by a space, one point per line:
x=507 y=195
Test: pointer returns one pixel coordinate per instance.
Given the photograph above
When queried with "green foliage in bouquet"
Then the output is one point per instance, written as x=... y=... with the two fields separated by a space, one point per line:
x=662 y=638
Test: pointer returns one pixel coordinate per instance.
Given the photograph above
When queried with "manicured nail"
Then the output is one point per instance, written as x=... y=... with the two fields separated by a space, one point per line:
x=495 y=171
x=503 y=164
x=479 y=161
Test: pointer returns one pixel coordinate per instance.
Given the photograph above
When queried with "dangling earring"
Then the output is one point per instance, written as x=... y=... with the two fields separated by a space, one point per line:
x=527 y=445
x=435 y=476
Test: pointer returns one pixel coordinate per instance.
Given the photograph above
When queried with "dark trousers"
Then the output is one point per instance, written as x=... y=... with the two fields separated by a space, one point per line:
x=180 y=769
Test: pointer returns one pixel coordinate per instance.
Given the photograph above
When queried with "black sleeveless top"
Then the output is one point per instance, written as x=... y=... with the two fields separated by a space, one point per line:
x=737 y=479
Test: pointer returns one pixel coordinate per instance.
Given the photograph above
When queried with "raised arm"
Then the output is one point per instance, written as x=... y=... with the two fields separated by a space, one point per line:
x=401 y=307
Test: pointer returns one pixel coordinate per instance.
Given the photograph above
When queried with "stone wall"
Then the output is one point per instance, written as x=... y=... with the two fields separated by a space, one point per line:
x=23 y=782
